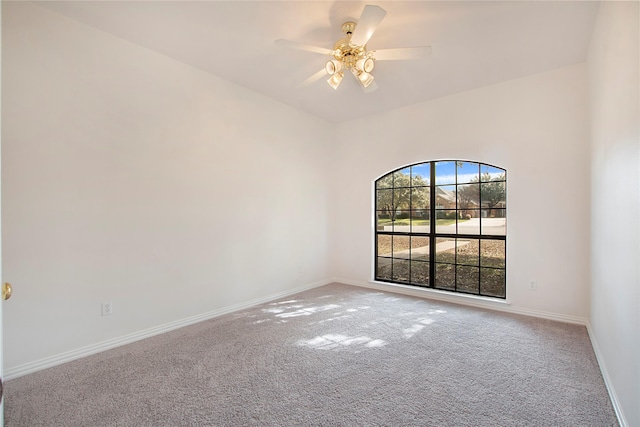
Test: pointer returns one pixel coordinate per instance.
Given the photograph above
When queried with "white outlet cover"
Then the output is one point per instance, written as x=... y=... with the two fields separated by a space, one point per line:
x=106 y=308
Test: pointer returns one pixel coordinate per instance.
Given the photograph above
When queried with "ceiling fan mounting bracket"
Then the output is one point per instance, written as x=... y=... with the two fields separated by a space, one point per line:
x=348 y=27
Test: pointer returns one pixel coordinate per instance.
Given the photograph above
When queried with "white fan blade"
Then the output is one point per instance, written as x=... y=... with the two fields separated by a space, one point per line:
x=402 y=53
x=313 y=78
x=367 y=24
x=302 y=46
x=372 y=87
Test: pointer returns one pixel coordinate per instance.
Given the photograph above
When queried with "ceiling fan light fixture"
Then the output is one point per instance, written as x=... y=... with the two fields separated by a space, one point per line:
x=335 y=80
x=365 y=64
x=365 y=78
x=333 y=66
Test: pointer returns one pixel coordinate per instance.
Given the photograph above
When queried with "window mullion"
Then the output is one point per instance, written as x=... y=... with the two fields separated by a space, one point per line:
x=455 y=241
x=432 y=225
x=410 y=223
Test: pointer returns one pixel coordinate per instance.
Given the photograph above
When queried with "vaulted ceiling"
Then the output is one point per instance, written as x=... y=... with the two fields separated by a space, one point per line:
x=475 y=43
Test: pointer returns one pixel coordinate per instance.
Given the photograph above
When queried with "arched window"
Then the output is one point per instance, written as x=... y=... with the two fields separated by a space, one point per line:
x=442 y=225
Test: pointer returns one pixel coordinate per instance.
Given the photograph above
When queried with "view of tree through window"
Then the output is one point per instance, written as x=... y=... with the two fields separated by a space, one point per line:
x=458 y=208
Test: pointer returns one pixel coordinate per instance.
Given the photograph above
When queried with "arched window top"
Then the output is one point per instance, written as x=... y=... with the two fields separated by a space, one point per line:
x=447 y=172
x=456 y=207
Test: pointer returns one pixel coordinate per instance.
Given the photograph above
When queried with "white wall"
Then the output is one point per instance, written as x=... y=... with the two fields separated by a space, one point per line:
x=615 y=181
x=537 y=129
x=133 y=178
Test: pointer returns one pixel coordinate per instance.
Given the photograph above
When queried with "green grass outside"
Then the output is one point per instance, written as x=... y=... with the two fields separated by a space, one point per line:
x=382 y=222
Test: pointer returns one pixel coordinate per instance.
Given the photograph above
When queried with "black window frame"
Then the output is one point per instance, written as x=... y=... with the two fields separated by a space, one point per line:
x=433 y=235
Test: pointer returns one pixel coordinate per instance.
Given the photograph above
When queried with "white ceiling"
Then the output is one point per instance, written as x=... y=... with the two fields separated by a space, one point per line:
x=475 y=43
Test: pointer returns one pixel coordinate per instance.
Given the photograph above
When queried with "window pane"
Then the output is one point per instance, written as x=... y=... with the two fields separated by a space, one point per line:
x=384 y=200
x=384 y=245
x=493 y=194
x=420 y=273
x=467 y=251
x=445 y=173
x=467 y=172
x=402 y=224
x=420 y=197
x=467 y=279
x=492 y=282
x=445 y=276
x=469 y=222
x=420 y=221
x=420 y=174
x=446 y=197
x=493 y=222
x=446 y=250
x=384 y=269
x=489 y=173
x=402 y=178
x=492 y=253
x=401 y=247
x=420 y=248
x=446 y=221
x=468 y=196
x=385 y=181
x=402 y=198
x=383 y=222
x=400 y=271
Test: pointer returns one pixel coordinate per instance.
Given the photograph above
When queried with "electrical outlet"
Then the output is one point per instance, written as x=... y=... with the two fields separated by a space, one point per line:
x=533 y=285
x=107 y=308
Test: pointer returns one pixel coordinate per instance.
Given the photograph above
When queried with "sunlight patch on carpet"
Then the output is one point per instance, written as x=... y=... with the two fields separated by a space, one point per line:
x=335 y=341
x=308 y=310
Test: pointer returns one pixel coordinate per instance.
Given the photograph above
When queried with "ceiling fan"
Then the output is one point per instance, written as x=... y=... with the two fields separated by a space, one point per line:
x=350 y=53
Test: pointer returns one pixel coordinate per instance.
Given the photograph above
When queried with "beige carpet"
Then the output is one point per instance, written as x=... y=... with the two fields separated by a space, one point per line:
x=335 y=355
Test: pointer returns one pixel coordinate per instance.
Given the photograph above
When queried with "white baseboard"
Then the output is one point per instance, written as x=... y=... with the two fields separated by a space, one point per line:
x=48 y=362
x=607 y=380
x=470 y=300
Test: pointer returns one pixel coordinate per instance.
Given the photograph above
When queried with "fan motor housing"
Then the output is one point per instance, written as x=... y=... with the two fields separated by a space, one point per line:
x=347 y=53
